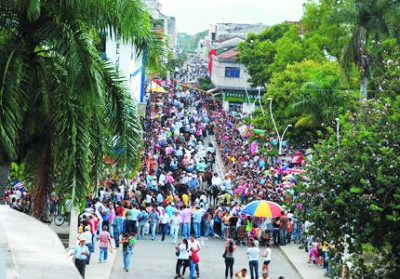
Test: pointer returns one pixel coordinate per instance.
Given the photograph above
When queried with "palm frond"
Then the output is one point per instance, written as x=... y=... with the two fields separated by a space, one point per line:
x=97 y=146
x=72 y=142
x=308 y=120
x=12 y=98
x=121 y=117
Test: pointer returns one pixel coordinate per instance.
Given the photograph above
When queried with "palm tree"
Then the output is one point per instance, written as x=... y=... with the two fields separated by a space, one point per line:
x=317 y=104
x=369 y=20
x=62 y=106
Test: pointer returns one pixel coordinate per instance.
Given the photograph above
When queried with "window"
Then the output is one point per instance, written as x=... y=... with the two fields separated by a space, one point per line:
x=233 y=72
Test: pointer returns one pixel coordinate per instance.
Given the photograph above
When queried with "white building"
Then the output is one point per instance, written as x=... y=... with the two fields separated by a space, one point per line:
x=231 y=77
x=128 y=64
x=228 y=30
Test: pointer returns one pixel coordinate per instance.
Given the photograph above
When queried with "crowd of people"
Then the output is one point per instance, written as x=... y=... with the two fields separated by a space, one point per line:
x=180 y=189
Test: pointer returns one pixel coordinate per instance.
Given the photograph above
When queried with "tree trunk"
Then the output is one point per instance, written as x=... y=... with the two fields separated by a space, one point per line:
x=4 y=172
x=73 y=227
x=43 y=182
x=364 y=87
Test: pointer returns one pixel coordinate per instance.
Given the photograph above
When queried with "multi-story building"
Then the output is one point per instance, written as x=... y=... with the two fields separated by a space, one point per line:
x=130 y=65
x=231 y=77
x=228 y=30
x=170 y=31
x=227 y=73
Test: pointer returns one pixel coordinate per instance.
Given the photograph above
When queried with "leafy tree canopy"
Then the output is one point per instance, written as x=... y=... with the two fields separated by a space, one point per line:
x=258 y=52
x=353 y=192
x=306 y=94
x=188 y=43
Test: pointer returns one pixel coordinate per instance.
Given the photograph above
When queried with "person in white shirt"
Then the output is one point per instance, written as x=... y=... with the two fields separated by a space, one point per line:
x=253 y=252
x=193 y=243
x=87 y=235
x=216 y=180
x=267 y=257
x=164 y=223
x=210 y=149
x=161 y=179
x=175 y=222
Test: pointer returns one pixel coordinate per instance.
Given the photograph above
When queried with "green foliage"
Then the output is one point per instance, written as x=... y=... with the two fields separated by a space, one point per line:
x=353 y=30
x=205 y=84
x=306 y=94
x=189 y=42
x=62 y=106
x=385 y=73
x=258 y=51
x=353 y=192
x=321 y=23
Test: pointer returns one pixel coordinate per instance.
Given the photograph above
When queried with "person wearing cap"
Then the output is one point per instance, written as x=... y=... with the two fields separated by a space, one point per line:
x=87 y=235
x=242 y=274
x=264 y=275
x=81 y=252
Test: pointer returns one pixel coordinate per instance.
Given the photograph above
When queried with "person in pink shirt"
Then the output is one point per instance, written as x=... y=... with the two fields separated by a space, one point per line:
x=169 y=179
x=186 y=215
x=104 y=242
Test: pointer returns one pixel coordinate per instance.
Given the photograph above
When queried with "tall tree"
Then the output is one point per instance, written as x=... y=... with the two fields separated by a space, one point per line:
x=370 y=21
x=258 y=51
x=353 y=194
x=62 y=106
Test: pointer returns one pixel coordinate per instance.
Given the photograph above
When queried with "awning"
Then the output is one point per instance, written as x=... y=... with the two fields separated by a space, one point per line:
x=154 y=87
x=212 y=90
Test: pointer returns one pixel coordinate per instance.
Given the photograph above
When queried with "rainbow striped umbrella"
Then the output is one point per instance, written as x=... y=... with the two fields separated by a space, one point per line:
x=262 y=209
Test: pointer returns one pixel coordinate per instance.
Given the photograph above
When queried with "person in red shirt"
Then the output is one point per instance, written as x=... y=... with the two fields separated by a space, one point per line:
x=193 y=262
x=289 y=230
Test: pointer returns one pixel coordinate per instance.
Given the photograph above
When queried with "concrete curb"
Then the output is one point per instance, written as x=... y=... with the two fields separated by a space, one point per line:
x=218 y=157
x=30 y=249
x=96 y=270
x=290 y=262
x=298 y=260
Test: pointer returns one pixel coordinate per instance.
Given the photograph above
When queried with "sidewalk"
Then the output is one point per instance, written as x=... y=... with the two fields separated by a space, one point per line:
x=299 y=258
x=96 y=270
x=220 y=166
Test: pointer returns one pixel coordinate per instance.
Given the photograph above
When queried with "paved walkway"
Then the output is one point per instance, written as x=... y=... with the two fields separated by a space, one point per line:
x=96 y=270
x=299 y=258
x=156 y=259
x=30 y=249
x=220 y=166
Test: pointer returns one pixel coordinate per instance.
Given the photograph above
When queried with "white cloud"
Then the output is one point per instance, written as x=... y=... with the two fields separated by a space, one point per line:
x=193 y=16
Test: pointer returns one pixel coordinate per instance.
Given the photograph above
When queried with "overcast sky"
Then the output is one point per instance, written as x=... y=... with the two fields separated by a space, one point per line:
x=193 y=16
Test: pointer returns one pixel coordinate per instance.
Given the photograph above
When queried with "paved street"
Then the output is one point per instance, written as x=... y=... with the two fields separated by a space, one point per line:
x=156 y=259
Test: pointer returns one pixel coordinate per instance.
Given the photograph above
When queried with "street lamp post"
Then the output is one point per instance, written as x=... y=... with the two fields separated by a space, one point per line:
x=337 y=130
x=280 y=139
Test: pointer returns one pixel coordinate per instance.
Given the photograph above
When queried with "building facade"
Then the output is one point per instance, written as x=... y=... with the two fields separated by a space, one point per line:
x=227 y=73
x=231 y=77
x=129 y=65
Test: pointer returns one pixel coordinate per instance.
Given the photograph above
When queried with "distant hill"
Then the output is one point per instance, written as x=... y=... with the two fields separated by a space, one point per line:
x=189 y=42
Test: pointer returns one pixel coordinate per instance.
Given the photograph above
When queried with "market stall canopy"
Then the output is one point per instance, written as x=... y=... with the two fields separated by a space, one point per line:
x=212 y=90
x=154 y=87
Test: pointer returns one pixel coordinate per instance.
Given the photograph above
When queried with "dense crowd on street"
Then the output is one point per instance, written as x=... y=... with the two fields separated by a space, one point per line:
x=181 y=190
